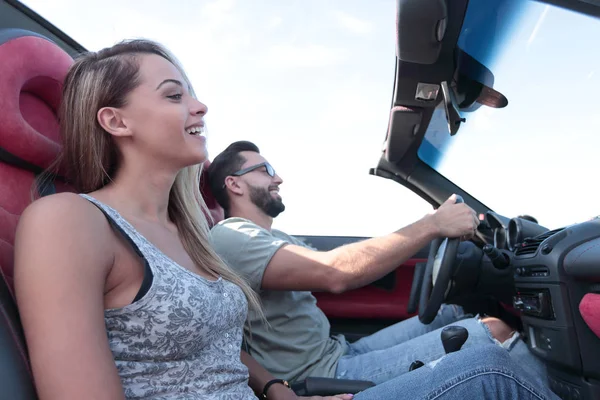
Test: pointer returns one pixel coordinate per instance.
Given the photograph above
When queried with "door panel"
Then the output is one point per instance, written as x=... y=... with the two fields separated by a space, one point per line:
x=365 y=310
x=372 y=301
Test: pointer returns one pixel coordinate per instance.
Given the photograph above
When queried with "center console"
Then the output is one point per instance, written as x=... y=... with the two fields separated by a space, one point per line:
x=552 y=273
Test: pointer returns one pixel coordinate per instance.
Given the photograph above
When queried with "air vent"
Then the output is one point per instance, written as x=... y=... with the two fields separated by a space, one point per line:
x=530 y=245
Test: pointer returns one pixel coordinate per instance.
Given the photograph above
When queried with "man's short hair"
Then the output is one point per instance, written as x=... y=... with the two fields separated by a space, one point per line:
x=225 y=164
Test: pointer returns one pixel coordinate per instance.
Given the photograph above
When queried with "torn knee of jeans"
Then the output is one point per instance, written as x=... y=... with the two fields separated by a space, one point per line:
x=499 y=332
x=508 y=343
x=433 y=363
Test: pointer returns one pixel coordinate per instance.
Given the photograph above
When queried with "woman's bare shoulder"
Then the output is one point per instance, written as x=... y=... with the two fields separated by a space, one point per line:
x=63 y=254
x=61 y=210
x=64 y=222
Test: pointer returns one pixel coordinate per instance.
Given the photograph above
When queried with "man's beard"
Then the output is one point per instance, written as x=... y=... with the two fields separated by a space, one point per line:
x=263 y=199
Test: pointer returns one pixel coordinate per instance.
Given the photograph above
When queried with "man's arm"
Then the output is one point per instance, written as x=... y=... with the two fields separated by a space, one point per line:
x=358 y=264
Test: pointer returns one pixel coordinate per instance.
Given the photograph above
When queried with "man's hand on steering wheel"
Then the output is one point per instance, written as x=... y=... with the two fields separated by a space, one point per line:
x=455 y=220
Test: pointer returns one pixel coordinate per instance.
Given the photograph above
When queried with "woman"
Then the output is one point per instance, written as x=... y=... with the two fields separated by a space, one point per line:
x=128 y=259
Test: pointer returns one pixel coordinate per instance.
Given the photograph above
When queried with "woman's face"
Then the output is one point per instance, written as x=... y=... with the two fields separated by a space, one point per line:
x=164 y=122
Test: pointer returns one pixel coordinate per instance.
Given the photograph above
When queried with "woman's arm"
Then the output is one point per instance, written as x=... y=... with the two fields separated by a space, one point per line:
x=260 y=376
x=64 y=250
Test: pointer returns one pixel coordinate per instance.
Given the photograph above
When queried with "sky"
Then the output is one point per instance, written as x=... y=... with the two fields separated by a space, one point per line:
x=310 y=82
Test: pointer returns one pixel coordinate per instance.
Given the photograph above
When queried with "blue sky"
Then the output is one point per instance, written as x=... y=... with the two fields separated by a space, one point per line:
x=310 y=82
x=539 y=155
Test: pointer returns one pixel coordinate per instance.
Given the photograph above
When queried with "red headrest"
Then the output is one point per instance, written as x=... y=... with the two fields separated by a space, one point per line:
x=589 y=307
x=216 y=211
x=31 y=75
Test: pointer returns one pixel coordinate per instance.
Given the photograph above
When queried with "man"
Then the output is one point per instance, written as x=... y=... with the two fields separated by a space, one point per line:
x=284 y=271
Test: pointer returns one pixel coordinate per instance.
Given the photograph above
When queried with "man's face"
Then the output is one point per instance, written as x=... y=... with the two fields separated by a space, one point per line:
x=263 y=189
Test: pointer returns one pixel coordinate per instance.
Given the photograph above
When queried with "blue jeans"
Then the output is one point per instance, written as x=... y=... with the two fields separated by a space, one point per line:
x=481 y=372
x=389 y=353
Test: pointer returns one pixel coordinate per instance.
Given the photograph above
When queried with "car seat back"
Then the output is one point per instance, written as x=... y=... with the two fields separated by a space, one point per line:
x=32 y=69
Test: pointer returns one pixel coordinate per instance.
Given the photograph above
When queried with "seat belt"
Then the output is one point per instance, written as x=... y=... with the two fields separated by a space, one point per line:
x=44 y=188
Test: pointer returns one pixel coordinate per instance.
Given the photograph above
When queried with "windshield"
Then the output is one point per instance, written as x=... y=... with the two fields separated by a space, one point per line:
x=537 y=155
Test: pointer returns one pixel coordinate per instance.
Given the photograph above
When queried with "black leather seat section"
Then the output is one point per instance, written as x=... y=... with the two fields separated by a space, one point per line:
x=15 y=377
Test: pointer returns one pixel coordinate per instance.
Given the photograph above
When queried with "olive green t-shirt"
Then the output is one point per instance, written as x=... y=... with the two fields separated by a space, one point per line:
x=297 y=343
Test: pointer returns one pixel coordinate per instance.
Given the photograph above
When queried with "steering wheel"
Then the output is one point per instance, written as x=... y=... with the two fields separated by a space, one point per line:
x=438 y=273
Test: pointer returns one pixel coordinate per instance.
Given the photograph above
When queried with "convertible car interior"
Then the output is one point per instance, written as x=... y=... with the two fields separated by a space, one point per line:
x=547 y=279
x=546 y=283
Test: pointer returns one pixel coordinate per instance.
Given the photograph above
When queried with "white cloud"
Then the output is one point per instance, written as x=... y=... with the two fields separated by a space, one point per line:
x=352 y=23
x=219 y=7
x=275 y=22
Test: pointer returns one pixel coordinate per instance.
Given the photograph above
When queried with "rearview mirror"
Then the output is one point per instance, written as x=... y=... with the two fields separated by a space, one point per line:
x=420 y=30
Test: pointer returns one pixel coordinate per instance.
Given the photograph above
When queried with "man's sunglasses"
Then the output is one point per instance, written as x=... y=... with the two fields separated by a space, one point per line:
x=244 y=171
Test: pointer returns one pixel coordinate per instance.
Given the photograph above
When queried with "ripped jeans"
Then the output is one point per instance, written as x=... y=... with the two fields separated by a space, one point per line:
x=389 y=353
x=485 y=372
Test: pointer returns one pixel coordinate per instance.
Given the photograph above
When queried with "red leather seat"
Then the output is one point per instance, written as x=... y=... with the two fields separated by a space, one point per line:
x=217 y=214
x=32 y=69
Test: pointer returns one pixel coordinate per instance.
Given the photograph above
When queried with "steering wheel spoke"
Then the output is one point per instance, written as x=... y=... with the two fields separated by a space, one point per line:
x=438 y=275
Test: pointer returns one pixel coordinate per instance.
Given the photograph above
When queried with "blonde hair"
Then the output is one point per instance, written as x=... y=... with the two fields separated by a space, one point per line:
x=90 y=158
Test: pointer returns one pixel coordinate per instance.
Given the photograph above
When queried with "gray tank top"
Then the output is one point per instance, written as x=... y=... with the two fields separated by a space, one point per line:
x=182 y=339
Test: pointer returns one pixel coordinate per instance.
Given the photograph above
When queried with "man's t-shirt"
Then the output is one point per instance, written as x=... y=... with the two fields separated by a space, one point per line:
x=297 y=343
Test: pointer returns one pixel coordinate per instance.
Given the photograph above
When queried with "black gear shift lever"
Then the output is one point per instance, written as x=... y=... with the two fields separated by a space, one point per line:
x=453 y=338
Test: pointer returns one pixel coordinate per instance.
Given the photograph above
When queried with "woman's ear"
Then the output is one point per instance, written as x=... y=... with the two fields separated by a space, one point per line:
x=111 y=120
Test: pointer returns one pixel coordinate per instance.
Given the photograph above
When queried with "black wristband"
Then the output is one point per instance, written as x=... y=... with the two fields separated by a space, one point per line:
x=272 y=382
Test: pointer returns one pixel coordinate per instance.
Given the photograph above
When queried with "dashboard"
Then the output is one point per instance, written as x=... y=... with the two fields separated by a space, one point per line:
x=508 y=233
x=554 y=271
